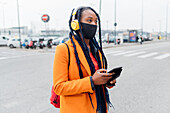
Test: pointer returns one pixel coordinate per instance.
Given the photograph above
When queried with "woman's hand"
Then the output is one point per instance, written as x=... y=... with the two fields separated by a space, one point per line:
x=100 y=78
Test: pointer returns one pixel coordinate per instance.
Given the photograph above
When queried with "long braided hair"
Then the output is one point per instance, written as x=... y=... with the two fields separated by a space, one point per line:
x=93 y=45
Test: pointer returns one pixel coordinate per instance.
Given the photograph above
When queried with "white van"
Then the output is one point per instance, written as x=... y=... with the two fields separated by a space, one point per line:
x=13 y=42
x=3 y=40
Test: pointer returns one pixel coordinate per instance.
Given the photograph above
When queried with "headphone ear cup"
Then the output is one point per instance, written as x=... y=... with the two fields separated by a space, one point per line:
x=75 y=25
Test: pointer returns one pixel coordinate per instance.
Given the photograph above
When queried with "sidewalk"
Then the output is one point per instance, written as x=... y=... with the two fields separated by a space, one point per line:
x=111 y=45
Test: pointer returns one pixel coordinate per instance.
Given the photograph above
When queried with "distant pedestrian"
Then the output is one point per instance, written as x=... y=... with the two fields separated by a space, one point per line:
x=108 y=38
x=80 y=80
x=140 y=40
x=159 y=37
x=137 y=38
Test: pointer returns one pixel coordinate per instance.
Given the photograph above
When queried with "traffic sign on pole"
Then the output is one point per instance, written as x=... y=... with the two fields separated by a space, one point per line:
x=45 y=18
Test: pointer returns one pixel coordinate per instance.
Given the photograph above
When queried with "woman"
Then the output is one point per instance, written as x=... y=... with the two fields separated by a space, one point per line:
x=80 y=79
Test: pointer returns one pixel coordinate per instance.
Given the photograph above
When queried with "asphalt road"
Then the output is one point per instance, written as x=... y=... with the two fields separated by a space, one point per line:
x=144 y=84
x=143 y=87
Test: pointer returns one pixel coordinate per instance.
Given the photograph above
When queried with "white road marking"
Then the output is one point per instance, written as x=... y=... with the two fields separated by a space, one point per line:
x=17 y=56
x=133 y=54
x=148 y=55
x=122 y=53
x=2 y=58
x=162 y=56
x=113 y=52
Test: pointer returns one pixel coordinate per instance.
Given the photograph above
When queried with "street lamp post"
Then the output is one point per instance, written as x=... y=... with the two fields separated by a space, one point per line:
x=142 y=19
x=100 y=8
x=19 y=31
x=115 y=24
x=167 y=20
x=160 y=27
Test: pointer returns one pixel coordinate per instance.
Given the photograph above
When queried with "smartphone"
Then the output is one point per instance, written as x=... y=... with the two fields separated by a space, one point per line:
x=117 y=72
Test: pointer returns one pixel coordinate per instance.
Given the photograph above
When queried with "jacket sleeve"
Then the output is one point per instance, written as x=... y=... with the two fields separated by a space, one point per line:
x=62 y=85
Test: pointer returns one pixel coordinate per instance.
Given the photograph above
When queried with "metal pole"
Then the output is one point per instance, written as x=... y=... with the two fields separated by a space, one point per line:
x=160 y=27
x=19 y=32
x=142 y=19
x=115 y=23
x=100 y=5
x=107 y=25
x=167 y=21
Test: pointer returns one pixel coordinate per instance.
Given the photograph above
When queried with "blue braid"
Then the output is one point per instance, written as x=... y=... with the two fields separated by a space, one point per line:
x=76 y=55
x=88 y=58
x=75 y=51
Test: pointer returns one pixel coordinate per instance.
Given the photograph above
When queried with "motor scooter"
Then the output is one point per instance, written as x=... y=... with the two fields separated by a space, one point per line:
x=41 y=44
x=49 y=43
x=26 y=45
x=33 y=44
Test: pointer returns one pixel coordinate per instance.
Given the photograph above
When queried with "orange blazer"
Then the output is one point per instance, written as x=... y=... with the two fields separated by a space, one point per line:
x=73 y=91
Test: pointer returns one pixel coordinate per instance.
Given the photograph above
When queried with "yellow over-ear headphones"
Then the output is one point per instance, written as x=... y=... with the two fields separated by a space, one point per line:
x=74 y=22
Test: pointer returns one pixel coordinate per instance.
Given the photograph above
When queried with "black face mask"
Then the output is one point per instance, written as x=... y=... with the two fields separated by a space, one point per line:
x=88 y=30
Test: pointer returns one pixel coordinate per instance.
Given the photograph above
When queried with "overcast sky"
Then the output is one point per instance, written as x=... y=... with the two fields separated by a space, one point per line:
x=128 y=13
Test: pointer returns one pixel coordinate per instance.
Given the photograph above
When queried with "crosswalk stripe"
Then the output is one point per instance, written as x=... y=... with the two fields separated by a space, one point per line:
x=113 y=52
x=133 y=54
x=122 y=53
x=2 y=58
x=9 y=53
x=148 y=55
x=162 y=56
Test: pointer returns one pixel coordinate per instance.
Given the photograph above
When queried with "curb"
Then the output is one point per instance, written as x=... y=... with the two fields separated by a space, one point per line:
x=134 y=43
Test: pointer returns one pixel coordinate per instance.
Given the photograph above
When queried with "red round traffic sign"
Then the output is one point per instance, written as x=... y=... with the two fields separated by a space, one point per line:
x=45 y=18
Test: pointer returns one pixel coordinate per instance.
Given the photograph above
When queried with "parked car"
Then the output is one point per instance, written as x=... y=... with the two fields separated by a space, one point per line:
x=3 y=40
x=13 y=42
x=126 y=38
x=55 y=41
x=60 y=40
x=147 y=38
x=111 y=39
x=25 y=42
x=104 y=39
x=48 y=42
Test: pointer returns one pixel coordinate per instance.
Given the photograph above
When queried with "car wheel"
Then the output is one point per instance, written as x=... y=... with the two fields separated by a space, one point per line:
x=11 y=46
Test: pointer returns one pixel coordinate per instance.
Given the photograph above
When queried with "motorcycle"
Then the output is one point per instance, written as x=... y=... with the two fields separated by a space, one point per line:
x=33 y=44
x=26 y=45
x=49 y=43
x=41 y=44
